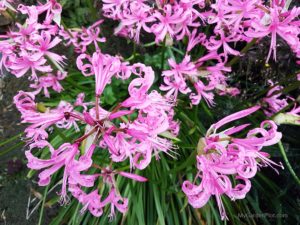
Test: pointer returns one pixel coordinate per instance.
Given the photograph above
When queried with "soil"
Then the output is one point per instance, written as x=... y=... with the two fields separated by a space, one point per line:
x=14 y=187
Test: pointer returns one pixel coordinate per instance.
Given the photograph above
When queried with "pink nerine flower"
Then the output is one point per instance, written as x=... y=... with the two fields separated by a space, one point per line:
x=134 y=129
x=221 y=155
x=50 y=80
x=176 y=78
x=135 y=19
x=170 y=17
x=277 y=22
x=274 y=101
x=29 y=62
x=29 y=47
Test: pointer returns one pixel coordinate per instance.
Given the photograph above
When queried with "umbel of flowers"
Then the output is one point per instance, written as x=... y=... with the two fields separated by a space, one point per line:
x=131 y=131
x=221 y=155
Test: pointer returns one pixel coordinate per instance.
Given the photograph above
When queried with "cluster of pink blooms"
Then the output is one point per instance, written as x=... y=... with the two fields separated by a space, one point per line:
x=205 y=81
x=221 y=156
x=80 y=39
x=233 y=20
x=28 y=48
x=132 y=131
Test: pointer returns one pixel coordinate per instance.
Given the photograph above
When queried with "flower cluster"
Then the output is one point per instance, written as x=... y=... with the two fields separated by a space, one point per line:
x=204 y=80
x=82 y=38
x=164 y=19
x=233 y=21
x=221 y=156
x=29 y=47
x=133 y=130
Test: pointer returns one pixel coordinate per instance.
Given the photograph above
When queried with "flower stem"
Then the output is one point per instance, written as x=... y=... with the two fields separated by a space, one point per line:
x=97 y=107
x=43 y=205
x=290 y=168
x=86 y=135
x=163 y=55
x=244 y=50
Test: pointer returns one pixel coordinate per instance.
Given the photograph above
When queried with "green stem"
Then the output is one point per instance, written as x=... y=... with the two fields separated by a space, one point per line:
x=43 y=205
x=134 y=53
x=149 y=44
x=171 y=53
x=244 y=50
x=290 y=168
x=163 y=55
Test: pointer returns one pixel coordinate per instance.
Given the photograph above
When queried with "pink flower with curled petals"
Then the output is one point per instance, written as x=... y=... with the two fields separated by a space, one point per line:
x=135 y=129
x=274 y=101
x=195 y=38
x=25 y=103
x=170 y=17
x=104 y=67
x=136 y=19
x=91 y=35
x=59 y=158
x=221 y=155
x=41 y=121
x=175 y=78
x=113 y=8
x=49 y=81
x=29 y=62
x=223 y=40
x=45 y=44
x=202 y=91
x=277 y=22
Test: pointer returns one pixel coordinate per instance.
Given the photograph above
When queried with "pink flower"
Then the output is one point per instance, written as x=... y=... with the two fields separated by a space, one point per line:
x=113 y=8
x=195 y=38
x=45 y=44
x=93 y=202
x=134 y=129
x=53 y=11
x=103 y=66
x=63 y=157
x=91 y=35
x=135 y=19
x=273 y=100
x=221 y=40
x=24 y=102
x=27 y=62
x=115 y=201
x=59 y=158
x=276 y=23
x=166 y=26
x=49 y=81
x=239 y=11
x=41 y=121
x=175 y=79
x=220 y=155
x=203 y=91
